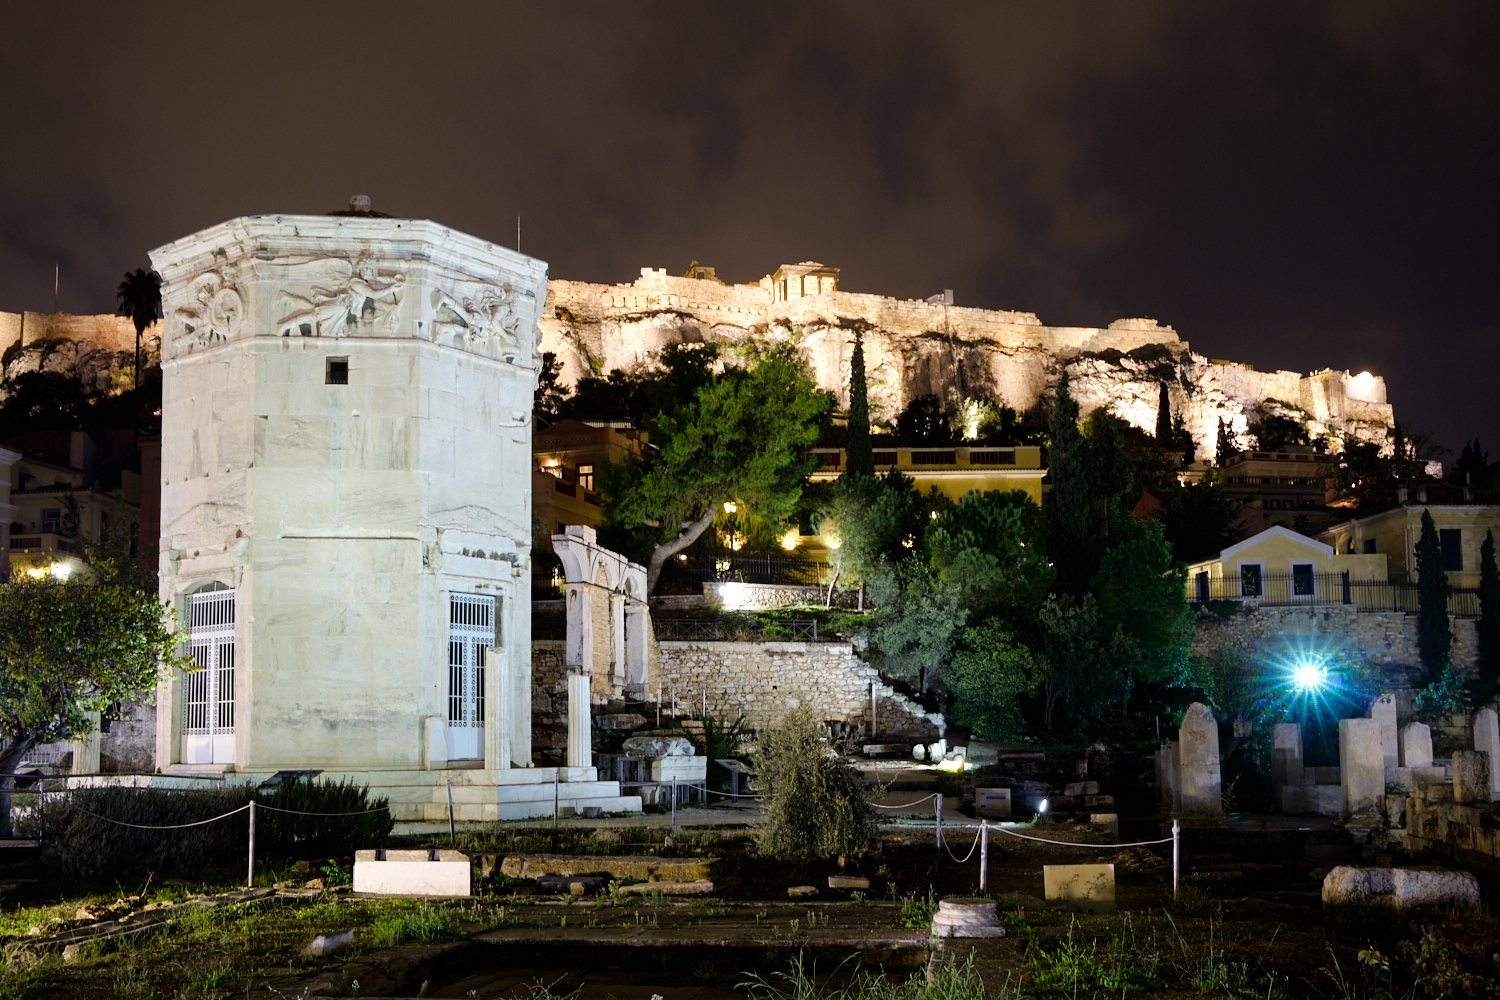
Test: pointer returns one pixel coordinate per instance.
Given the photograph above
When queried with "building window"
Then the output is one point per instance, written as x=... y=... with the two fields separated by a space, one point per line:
x=1369 y=546
x=1201 y=585
x=51 y=520
x=1302 y=580
x=338 y=371
x=1451 y=539
x=586 y=476
x=1249 y=579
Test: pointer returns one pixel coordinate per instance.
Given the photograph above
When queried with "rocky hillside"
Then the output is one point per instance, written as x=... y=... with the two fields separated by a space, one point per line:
x=98 y=350
x=913 y=348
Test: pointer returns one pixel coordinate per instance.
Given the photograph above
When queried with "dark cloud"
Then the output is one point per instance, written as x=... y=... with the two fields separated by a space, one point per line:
x=1292 y=185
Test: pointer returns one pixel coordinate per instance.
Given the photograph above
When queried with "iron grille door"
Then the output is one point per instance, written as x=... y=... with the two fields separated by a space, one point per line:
x=471 y=631
x=208 y=689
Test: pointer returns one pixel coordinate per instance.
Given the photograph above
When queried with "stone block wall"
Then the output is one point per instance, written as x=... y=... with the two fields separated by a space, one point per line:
x=1440 y=828
x=766 y=679
x=130 y=745
x=761 y=679
x=1388 y=639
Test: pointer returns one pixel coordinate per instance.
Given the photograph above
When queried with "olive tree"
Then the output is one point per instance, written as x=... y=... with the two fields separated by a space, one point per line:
x=69 y=648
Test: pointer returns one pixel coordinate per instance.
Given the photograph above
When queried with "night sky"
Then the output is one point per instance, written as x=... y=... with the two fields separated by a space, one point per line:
x=1295 y=185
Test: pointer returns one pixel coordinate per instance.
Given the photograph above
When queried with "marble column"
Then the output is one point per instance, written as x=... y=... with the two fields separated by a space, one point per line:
x=580 y=723
x=637 y=628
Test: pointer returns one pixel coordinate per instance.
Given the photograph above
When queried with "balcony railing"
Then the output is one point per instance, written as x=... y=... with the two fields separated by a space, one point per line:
x=47 y=542
x=1325 y=590
x=925 y=458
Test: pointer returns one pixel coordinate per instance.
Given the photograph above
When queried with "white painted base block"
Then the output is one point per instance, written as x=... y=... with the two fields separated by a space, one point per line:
x=413 y=878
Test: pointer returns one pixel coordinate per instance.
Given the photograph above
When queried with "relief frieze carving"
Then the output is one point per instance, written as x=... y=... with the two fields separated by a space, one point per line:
x=214 y=313
x=335 y=297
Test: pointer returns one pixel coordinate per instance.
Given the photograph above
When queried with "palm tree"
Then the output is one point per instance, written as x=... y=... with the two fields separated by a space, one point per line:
x=140 y=300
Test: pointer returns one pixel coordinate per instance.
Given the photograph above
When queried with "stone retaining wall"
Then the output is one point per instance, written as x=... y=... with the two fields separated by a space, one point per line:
x=766 y=679
x=761 y=679
x=1388 y=639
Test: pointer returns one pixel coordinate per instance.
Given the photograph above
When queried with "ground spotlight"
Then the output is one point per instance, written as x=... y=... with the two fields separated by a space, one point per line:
x=1308 y=676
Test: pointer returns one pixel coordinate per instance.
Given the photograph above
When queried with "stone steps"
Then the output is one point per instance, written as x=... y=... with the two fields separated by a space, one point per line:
x=533 y=800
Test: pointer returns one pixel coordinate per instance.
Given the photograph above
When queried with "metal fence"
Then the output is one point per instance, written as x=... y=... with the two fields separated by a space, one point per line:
x=772 y=570
x=736 y=628
x=1324 y=590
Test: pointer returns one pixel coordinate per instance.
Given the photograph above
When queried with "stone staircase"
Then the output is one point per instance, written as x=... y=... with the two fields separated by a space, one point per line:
x=528 y=793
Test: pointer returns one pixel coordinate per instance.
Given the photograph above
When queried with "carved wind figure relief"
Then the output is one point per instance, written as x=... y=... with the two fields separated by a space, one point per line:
x=215 y=312
x=480 y=317
x=341 y=297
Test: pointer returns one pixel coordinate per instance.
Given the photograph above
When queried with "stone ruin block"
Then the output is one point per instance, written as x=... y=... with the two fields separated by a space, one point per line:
x=1361 y=765
x=1487 y=740
x=1416 y=745
x=1400 y=888
x=1471 y=778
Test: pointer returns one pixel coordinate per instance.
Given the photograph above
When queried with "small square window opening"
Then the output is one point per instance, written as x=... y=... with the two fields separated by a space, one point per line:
x=338 y=371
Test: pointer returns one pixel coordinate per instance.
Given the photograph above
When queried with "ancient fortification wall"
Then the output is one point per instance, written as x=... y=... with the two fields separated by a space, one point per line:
x=915 y=347
x=92 y=348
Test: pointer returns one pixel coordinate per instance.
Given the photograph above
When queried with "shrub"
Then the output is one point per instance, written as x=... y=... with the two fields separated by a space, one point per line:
x=81 y=841
x=282 y=834
x=813 y=801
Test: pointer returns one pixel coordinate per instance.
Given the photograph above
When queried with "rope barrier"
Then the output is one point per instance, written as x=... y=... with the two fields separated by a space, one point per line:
x=966 y=857
x=1069 y=843
x=178 y=826
x=298 y=812
x=906 y=805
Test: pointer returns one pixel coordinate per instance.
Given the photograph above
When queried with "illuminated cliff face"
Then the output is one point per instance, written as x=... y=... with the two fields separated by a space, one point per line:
x=913 y=348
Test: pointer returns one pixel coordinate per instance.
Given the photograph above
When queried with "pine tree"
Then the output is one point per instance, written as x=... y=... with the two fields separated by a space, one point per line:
x=1489 y=615
x=859 y=456
x=1434 y=635
x=1163 y=419
x=1071 y=520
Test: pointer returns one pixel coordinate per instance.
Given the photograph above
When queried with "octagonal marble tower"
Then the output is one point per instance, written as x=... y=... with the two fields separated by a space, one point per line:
x=346 y=518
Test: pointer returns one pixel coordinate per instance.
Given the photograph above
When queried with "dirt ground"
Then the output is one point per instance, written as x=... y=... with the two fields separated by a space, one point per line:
x=1247 y=922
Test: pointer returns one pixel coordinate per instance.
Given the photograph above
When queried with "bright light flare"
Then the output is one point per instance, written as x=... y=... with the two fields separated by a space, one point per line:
x=1309 y=676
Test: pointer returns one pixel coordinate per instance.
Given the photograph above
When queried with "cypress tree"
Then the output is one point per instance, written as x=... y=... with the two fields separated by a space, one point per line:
x=1224 y=449
x=859 y=455
x=1489 y=615
x=1070 y=517
x=1434 y=635
x=1163 y=419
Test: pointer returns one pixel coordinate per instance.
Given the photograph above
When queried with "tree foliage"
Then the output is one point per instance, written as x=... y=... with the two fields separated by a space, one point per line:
x=813 y=802
x=139 y=298
x=1489 y=617
x=1086 y=655
x=924 y=423
x=68 y=648
x=740 y=436
x=990 y=546
x=1070 y=512
x=859 y=456
x=1198 y=519
x=1434 y=635
x=1141 y=594
x=988 y=674
x=1273 y=432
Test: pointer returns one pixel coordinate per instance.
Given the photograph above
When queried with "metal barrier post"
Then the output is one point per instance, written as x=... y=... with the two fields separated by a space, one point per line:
x=984 y=852
x=556 y=792
x=452 y=832
x=674 y=802
x=250 y=871
x=937 y=812
x=1176 y=854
